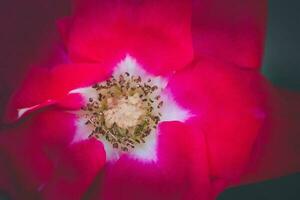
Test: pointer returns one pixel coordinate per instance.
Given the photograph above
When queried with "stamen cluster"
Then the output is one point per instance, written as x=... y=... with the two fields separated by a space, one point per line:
x=125 y=111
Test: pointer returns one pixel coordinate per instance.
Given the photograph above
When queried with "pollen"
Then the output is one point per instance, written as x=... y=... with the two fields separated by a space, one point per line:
x=125 y=112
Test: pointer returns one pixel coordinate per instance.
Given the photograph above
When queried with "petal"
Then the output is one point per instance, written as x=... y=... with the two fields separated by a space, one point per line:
x=76 y=170
x=230 y=106
x=50 y=51
x=44 y=86
x=181 y=171
x=37 y=148
x=24 y=42
x=156 y=32
x=231 y=30
x=29 y=166
x=277 y=149
x=171 y=111
x=63 y=26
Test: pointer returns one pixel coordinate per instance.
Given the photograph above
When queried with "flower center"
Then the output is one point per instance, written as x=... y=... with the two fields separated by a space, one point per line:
x=125 y=112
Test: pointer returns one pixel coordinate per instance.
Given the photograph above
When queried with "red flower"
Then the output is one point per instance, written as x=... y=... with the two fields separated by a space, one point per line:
x=154 y=100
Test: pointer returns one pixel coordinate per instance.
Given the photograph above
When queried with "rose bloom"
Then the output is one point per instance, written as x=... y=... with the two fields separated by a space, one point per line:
x=149 y=100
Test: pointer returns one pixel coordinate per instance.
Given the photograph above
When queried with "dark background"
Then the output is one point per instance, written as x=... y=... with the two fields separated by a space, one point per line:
x=24 y=24
x=282 y=54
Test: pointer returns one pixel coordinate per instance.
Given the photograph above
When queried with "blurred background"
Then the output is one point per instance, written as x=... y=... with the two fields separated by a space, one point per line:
x=282 y=54
x=25 y=24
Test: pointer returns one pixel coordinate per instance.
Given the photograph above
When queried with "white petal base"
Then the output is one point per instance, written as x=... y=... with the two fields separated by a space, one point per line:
x=171 y=111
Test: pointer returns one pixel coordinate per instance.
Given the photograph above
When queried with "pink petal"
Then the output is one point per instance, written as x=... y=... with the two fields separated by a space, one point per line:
x=38 y=149
x=157 y=33
x=181 y=171
x=28 y=165
x=231 y=30
x=230 y=106
x=44 y=86
x=76 y=170
x=277 y=150
x=63 y=26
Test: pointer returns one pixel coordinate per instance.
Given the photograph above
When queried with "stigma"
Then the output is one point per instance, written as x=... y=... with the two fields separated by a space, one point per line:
x=126 y=110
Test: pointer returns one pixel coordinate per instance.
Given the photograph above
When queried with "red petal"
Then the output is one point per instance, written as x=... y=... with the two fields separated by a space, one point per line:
x=63 y=26
x=157 y=33
x=229 y=103
x=38 y=150
x=277 y=150
x=44 y=86
x=231 y=30
x=181 y=171
x=29 y=166
x=76 y=169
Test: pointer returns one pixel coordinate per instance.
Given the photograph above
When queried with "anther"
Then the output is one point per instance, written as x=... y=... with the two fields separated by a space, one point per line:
x=118 y=96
